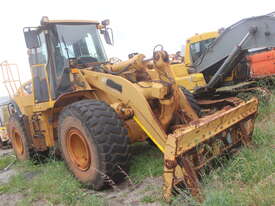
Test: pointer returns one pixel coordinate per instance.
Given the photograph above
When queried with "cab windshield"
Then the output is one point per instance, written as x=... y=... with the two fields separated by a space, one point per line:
x=79 y=41
x=198 y=48
x=71 y=41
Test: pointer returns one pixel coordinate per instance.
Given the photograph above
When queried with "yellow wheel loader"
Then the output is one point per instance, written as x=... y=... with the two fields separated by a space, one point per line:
x=4 y=118
x=4 y=139
x=91 y=110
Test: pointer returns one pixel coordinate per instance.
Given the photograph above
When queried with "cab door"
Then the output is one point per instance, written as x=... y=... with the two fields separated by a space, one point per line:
x=39 y=121
x=38 y=58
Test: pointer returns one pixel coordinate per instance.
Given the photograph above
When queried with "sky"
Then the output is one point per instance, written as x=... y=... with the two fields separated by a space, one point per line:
x=138 y=25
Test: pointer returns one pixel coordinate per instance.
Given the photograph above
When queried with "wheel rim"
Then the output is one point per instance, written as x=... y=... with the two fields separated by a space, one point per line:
x=18 y=143
x=78 y=149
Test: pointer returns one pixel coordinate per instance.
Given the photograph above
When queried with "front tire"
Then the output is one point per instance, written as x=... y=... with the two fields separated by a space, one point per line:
x=93 y=143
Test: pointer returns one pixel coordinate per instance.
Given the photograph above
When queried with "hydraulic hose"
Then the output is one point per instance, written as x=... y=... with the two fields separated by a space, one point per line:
x=118 y=72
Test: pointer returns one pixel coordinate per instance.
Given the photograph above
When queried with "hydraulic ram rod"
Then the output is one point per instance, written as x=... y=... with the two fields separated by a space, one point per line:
x=228 y=63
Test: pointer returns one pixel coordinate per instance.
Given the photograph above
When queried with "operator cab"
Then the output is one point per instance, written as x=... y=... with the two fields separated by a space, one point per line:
x=197 y=45
x=57 y=46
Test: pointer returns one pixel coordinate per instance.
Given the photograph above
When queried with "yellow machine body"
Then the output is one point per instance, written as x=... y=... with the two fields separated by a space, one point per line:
x=183 y=78
x=4 y=117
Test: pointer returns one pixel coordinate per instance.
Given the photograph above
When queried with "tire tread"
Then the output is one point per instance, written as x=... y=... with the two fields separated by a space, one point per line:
x=109 y=135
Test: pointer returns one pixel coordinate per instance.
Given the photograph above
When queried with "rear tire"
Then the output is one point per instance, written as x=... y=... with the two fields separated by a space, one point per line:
x=18 y=137
x=93 y=143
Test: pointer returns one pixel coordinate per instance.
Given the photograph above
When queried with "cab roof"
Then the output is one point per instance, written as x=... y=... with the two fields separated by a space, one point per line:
x=203 y=36
x=73 y=21
x=46 y=20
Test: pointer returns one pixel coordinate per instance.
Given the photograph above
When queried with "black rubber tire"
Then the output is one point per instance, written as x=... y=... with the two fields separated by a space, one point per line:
x=193 y=102
x=16 y=125
x=106 y=138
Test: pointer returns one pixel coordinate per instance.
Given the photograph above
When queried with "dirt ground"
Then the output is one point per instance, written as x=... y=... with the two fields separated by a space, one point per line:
x=4 y=152
x=5 y=175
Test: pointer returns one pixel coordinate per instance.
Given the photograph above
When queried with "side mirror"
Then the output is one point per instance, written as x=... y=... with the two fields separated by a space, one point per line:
x=108 y=36
x=105 y=22
x=31 y=38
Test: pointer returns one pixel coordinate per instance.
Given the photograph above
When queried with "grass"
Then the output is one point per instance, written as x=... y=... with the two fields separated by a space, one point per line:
x=147 y=161
x=247 y=179
x=148 y=199
x=50 y=182
x=5 y=161
x=264 y=109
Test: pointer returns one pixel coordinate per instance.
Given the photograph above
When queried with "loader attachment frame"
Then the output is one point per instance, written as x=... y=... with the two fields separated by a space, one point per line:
x=185 y=150
x=262 y=30
x=185 y=147
x=222 y=56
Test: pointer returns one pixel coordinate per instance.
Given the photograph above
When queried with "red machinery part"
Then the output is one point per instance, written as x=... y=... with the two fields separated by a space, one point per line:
x=262 y=64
